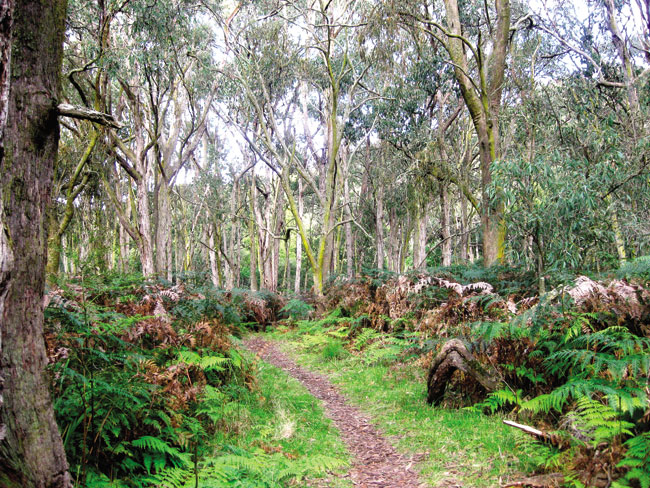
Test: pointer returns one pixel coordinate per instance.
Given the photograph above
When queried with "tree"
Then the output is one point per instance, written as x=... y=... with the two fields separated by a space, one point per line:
x=32 y=449
x=480 y=75
x=272 y=79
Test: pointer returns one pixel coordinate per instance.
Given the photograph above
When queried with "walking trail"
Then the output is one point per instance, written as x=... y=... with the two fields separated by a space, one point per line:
x=375 y=463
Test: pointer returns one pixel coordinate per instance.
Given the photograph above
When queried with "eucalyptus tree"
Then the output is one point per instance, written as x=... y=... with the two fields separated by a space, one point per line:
x=477 y=37
x=607 y=49
x=267 y=64
x=165 y=113
x=31 y=450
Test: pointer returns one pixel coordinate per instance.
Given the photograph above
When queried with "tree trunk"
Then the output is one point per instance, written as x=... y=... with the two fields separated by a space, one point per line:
x=464 y=216
x=212 y=253
x=6 y=21
x=179 y=253
x=233 y=249
x=379 y=223
x=32 y=449
x=455 y=356
x=299 y=241
x=393 y=241
x=445 y=224
x=144 y=227
x=253 y=235
x=349 y=236
x=420 y=240
x=626 y=60
x=484 y=115
x=164 y=231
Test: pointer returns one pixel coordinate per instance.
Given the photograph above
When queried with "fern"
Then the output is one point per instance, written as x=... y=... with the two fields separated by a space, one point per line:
x=366 y=335
x=637 y=460
x=498 y=400
x=296 y=309
x=159 y=446
x=340 y=333
x=212 y=362
x=170 y=478
x=601 y=423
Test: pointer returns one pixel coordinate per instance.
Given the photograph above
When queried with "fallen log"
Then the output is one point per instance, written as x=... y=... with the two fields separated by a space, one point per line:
x=455 y=356
x=527 y=429
x=553 y=439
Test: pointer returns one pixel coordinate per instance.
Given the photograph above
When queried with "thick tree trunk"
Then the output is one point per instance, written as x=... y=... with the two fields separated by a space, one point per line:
x=144 y=225
x=484 y=118
x=32 y=446
x=6 y=24
x=6 y=21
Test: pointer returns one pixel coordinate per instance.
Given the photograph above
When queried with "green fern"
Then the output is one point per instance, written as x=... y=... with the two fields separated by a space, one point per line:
x=599 y=422
x=366 y=336
x=637 y=460
x=158 y=446
x=498 y=400
x=212 y=362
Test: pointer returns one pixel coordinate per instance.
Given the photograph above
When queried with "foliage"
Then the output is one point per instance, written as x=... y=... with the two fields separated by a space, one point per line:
x=296 y=309
x=635 y=269
x=142 y=395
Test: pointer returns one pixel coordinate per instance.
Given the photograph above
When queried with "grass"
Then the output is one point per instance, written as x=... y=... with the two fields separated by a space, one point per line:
x=285 y=425
x=461 y=447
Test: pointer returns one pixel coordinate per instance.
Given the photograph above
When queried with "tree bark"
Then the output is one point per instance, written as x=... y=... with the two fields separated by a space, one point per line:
x=445 y=224
x=299 y=241
x=420 y=239
x=455 y=356
x=212 y=253
x=484 y=109
x=32 y=448
x=164 y=231
x=6 y=22
x=349 y=235
x=379 y=223
x=253 y=235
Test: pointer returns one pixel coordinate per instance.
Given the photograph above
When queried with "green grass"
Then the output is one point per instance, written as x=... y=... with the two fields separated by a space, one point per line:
x=460 y=446
x=283 y=424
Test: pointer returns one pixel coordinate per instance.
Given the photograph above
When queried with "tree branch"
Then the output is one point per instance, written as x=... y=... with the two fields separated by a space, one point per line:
x=83 y=113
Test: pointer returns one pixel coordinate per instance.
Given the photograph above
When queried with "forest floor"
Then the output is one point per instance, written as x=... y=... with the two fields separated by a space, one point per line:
x=393 y=437
x=375 y=462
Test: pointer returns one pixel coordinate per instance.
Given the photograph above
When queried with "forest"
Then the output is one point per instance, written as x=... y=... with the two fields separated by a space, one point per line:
x=324 y=243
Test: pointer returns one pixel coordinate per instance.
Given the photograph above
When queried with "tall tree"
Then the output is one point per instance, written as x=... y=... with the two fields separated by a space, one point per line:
x=32 y=449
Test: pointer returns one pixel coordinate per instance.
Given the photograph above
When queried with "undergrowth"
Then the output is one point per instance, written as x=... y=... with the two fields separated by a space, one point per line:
x=574 y=362
x=151 y=390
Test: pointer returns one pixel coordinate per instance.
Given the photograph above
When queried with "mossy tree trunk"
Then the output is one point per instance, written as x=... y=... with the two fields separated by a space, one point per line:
x=483 y=105
x=32 y=448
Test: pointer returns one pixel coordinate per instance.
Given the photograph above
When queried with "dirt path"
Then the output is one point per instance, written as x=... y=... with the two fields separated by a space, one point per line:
x=375 y=463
